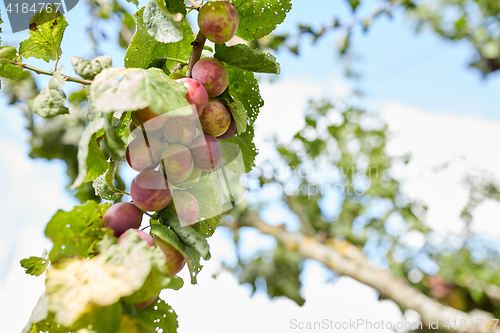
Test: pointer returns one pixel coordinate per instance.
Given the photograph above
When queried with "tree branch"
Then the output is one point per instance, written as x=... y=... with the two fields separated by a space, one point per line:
x=346 y=259
x=194 y=3
x=198 y=44
x=45 y=72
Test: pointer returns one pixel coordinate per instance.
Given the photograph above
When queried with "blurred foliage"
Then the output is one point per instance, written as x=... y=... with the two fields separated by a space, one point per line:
x=281 y=273
x=336 y=177
x=475 y=22
x=54 y=138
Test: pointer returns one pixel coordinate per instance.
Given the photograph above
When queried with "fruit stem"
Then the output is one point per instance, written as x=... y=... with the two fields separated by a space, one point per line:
x=198 y=44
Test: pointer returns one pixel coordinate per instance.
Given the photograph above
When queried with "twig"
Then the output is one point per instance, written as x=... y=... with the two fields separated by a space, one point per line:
x=241 y=4
x=184 y=62
x=45 y=72
x=194 y=4
x=346 y=259
x=178 y=67
x=198 y=44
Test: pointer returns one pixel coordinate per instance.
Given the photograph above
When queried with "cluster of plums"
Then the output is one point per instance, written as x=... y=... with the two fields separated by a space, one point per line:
x=172 y=152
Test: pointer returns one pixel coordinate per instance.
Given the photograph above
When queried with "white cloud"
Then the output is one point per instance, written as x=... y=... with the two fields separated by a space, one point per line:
x=444 y=149
x=285 y=103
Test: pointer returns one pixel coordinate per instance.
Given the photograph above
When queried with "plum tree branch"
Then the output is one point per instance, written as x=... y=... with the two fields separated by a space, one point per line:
x=45 y=72
x=198 y=44
x=194 y=3
x=346 y=259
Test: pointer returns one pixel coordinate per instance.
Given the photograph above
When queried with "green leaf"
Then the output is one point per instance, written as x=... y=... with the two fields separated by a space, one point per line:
x=96 y=162
x=36 y=265
x=119 y=90
x=50 y=101
x=104 y=184
x=310 y=122
x=88 y=69
x=207 y=227
x=143 y=48
x=46 y=31
x=160 y=24
x=258 y=18
x=354 y=4
x=114 y=144
x=10 y=71
x=130 y=269
x=104 y=319
x=122 y=127
x=243 y=86
x=28 y=49
x=210 y=207
x=239 y=114
x=237 y=110
x=176 y=282
x=189 y=236
x=76 y=233
x=40 y=319
x=160 y=63
x=240 y=55
x=169 y=236
x=91 y=161
x=247 y=146
x=281 y=274
x=78 y=97
x=176 y=6
x=7 y=69
x=7 y=53
x=158 y=315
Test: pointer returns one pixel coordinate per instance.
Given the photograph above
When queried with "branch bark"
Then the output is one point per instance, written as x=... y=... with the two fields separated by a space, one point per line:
x=194 y=3
x=45 y=72
x=198 y=44
x=346 y=259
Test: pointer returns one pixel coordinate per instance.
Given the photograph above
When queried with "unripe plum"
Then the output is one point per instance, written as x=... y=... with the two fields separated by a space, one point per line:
x=142 y=154
x=212 y=74
x=150 y=191
x=180 y=130
x=216 y=118
x=147 y=120
x=185 y=206
x=177 y=162
x=231 y=131
x=142 y=235
x=175 y=76
x=218 y=21
x=196 y=94
x=122 y=216
x=206 y=152
x=175 y=260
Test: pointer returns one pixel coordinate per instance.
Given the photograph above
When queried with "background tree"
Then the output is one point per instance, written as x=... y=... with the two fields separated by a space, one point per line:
x=361 y=175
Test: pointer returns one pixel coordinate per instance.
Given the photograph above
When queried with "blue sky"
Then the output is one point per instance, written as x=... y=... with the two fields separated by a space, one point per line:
x=418 y=71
